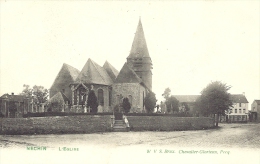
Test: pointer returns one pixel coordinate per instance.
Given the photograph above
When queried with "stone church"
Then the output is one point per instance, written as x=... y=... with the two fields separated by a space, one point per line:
x=133 y=81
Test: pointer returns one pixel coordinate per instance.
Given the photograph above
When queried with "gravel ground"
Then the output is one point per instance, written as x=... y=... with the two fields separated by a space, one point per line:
x=241 y=141
x=227 y=135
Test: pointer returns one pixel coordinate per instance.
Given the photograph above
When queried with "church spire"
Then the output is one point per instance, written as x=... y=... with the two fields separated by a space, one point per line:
x=139 y=47
x=139 y=59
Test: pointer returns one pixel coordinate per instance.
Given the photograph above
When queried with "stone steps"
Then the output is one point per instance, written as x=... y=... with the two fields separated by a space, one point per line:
x=120 y=126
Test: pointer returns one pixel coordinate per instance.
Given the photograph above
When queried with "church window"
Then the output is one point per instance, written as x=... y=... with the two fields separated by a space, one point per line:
x=101 y=97
x=130 y=99
x=75 y=97
x=117 y=99
x=143 y=98
x=110 y=97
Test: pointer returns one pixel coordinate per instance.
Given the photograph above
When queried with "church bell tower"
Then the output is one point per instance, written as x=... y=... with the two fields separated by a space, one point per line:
x=139 y=59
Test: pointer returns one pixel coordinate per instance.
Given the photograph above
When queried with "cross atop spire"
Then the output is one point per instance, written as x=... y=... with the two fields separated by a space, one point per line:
x=139 y=47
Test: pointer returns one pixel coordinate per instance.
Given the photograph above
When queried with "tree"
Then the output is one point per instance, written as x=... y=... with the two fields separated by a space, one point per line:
x=126 y=105
x=215 y=99
x=92 y=101
x=166 y=94
x=186 y=107
x=172 y=104
x=150 y=102
x=38 y=93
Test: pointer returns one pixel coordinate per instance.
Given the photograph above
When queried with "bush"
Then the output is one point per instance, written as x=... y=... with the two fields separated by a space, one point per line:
x=126 y=105
x=150 y=102
x=2 y=115
x=160 y=114
x=116 y=109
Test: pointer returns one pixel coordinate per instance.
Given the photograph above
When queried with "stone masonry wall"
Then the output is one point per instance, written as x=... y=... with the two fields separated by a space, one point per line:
x=97 y=123
x=126 y=89
x=56 y=125
x=164 y=123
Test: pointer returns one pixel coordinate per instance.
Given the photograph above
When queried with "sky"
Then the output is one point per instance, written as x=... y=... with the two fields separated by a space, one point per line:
x=191 y=43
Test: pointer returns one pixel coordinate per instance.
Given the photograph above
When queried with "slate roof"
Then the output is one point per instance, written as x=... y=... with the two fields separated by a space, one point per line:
x=239 y=98
x=66 y=69
x=60 y=97
x=139 y=48
x=73 y=71
x=18 y=98
x=257 y=101
x=236 y=98
x=127 y=75
x=112 y=72
x=186 y=98
x=94 y=74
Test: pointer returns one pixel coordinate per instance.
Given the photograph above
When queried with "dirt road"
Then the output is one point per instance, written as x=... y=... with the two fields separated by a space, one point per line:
x=231 y=143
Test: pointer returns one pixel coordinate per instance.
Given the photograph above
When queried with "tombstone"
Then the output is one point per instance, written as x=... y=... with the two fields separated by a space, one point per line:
x=100 y=109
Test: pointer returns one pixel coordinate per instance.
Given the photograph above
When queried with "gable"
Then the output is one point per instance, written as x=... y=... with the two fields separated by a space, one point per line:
x=18 y=98
x=111 y=71
x=127 y=75
x=59 y=97
x=257 y=102
x=238 y=98
x=66 y=75
x=93 y=73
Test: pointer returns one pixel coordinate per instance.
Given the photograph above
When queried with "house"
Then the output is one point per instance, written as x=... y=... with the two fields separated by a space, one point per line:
x=255 y=110
x=110 y=86
x=14 y=105
x=239 y=111
x=189 y=100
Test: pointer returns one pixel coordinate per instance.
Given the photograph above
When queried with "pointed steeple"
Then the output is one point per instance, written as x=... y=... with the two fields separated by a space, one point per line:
x=139 y=48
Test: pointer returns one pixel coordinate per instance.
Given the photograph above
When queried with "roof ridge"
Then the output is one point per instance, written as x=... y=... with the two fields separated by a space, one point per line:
x=97 y=70
x=113 y=69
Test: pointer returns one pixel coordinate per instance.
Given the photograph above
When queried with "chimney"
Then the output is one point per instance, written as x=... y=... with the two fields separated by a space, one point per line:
x=243 y=93
x=12 y=93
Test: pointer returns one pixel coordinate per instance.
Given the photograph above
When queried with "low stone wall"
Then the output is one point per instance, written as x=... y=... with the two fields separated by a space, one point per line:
x=56 y=125
x=99 y=123
x=162 y=123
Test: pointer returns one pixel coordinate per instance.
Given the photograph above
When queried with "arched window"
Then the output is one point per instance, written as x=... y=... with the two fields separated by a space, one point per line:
x=82 y=95
x=101 y=97
x=143 y=98
x=130 y=99
x=109 y=97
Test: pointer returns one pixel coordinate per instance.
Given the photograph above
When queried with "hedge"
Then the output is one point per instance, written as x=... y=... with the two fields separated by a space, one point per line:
x=48 y=114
